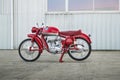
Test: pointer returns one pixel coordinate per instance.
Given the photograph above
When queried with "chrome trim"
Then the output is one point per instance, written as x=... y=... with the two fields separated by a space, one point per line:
x=50 y=34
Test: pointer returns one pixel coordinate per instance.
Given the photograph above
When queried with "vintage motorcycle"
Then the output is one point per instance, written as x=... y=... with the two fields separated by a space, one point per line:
x=76 y=43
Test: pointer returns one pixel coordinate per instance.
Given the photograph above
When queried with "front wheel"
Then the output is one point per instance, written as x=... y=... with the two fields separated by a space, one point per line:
x=80 y=50
x=25 y=53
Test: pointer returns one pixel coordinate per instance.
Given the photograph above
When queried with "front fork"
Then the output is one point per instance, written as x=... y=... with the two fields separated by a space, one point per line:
x=32 y=48
x=38 y=41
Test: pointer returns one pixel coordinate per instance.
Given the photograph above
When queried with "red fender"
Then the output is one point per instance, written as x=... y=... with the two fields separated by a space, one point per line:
x=84 y=36
x=38 y=41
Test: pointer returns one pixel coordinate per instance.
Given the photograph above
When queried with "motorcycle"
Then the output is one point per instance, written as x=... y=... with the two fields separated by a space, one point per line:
x=76 y=43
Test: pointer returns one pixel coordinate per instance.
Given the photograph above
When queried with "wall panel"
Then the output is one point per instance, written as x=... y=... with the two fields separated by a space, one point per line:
x=104 y=27
x=26 y=14
x=5 y=24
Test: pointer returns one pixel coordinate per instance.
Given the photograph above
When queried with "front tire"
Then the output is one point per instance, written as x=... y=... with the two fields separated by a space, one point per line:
x=25 y=53
x=83 y=52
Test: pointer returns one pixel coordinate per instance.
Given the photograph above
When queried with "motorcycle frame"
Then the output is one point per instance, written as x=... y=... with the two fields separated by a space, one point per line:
x=39 y=39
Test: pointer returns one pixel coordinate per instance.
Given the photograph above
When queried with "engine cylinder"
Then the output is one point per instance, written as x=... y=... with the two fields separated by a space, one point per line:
x=54 y=44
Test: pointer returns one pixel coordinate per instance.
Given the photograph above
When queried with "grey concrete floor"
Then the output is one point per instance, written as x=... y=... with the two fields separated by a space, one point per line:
x=101 y=65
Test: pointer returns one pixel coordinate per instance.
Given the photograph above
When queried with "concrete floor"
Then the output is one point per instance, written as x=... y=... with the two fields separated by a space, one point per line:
x=101 y=65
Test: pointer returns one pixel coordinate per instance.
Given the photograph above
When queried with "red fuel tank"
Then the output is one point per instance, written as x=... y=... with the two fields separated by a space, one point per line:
x=50 y=30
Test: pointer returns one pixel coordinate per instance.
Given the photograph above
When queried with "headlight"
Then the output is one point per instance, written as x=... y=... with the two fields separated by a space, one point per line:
x=34 y=29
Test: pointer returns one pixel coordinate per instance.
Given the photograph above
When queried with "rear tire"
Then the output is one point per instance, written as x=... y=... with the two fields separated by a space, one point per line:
x=82 y=49
x=24 y=52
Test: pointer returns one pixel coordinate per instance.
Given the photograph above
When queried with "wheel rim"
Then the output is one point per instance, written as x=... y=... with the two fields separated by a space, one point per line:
x=25 y=50
x=82 y=49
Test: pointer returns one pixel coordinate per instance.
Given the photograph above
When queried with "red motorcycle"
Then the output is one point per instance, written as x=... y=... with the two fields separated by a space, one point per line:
x=76 y=43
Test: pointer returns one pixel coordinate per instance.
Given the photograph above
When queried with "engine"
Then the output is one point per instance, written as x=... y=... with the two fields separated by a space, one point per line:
x=54 y=44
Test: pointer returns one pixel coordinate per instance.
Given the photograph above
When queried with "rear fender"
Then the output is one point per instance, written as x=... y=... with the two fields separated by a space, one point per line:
x=37 y=40
x=84 y=36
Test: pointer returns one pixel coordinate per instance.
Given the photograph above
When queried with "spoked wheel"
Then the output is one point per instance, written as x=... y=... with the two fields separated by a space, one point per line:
x=25 y=52
x=80 y=50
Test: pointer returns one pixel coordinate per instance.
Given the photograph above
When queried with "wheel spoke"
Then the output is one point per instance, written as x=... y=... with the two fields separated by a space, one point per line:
x=83 y=50
x=25 y=53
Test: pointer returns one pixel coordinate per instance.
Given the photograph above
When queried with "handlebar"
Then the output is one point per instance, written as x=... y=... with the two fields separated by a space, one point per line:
x=38 y=30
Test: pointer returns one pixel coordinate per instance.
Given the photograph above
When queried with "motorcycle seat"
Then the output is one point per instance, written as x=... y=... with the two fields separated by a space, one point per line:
x=70 y=33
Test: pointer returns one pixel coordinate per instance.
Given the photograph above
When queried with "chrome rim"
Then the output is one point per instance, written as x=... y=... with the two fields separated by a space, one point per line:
x=82 y=49
x=25 y=50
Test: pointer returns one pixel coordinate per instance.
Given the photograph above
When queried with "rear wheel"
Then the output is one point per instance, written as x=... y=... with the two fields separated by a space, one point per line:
x=80 y=50
x=25 y=53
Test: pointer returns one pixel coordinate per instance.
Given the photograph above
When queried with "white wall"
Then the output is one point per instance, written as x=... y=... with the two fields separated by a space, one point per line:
x=104 y=27
x=26 y=14
x=5 y=24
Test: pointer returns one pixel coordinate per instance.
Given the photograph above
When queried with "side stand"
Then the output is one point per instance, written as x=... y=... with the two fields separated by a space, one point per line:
x=60 y=60
x=62 y=54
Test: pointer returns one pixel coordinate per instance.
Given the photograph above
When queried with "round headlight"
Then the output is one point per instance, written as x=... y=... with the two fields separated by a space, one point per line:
x=34 y=29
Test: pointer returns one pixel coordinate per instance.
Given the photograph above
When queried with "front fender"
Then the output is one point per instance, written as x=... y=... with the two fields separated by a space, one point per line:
x=84 y=36
x=37 y=40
